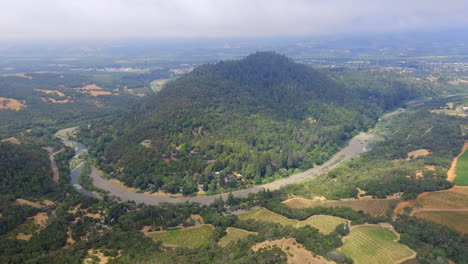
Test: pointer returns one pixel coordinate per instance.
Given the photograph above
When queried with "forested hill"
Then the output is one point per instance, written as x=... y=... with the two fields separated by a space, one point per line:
x=236 y=123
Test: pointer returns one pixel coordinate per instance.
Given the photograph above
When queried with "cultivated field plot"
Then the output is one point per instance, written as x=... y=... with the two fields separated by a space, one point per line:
x=374 y=207
x=233 y=235
x=455 y=219
x=324 y=223
x=295 y=251
x=454 y=198
x=462 y=170
x=193 y=237
x=374 y=244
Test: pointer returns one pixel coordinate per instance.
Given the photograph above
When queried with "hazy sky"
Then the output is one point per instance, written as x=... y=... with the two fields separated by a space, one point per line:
x=110 y=19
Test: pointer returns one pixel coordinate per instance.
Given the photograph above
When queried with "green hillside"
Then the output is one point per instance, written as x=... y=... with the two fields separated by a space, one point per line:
x=264 y=117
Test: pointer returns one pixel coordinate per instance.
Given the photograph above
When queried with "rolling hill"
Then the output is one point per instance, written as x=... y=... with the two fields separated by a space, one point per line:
x=238 y=123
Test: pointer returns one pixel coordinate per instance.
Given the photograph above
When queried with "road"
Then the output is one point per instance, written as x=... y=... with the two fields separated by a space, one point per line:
x=357 y=145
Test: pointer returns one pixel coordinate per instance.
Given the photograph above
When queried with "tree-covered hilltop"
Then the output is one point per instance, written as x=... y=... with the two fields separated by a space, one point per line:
x=236 y=123
x=25 y=171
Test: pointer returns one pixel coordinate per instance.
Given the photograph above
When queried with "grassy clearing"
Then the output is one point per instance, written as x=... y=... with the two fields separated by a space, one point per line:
x=455 y=219
x=374 y=244
x=324 y=223
x=193 y=237
x=374 y=207
x=12 y=104
x=462 y=170
x=295 y=251
x=233 y=235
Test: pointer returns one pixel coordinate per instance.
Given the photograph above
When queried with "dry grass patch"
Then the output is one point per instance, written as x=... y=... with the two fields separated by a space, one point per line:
x=324 y=223
x=70 y=240
x=374 y=207
x=40 y=219
x=233 y=235
x=51 y=92
x=12 y=140
x=99 y=255
x=295 y=251
x=40 y=204
x=97 y=93
x=11 y=104
x=458 y=220
x=418 y=153
x=91 y=87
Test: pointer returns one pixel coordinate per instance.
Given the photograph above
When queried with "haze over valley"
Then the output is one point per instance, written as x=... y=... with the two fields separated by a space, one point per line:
x=234 y=132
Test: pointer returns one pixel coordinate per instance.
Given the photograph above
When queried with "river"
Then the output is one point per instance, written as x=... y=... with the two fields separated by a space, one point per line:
x=356 y=146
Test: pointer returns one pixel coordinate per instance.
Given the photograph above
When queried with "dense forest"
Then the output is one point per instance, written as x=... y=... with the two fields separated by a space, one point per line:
x=238 y=123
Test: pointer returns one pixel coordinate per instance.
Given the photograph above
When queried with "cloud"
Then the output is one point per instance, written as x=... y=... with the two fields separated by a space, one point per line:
x=108 y=19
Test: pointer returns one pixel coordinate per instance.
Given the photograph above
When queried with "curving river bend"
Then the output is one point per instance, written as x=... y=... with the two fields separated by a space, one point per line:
x=356 y=146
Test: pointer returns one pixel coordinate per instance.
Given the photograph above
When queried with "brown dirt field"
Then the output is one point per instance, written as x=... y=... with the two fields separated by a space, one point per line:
x=295 y=251
x=455 y=219
x=12 y=104
x=13 y=140
x=451 y=174
x=453 y=198
x=51 y=92
x=374 y=207
x=418 y=153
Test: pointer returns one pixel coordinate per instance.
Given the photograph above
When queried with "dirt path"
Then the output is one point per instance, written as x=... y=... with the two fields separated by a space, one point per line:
x=357 y=145
x=53 y=164
x=451 y=174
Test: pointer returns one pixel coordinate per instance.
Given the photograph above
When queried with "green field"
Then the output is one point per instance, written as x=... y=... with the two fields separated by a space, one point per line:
x=376 y=245
x=234 y=234
x=462 y=170
x=193 y=237
x=324 y=223
x=455 y=219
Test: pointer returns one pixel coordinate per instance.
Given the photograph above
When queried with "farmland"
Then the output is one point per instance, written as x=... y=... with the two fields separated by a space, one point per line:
x=324 y=223
x=374 y=207
x=192 y=237
x=462 y=170
x=455 y=219
x=374 y=244
x=233 y=235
